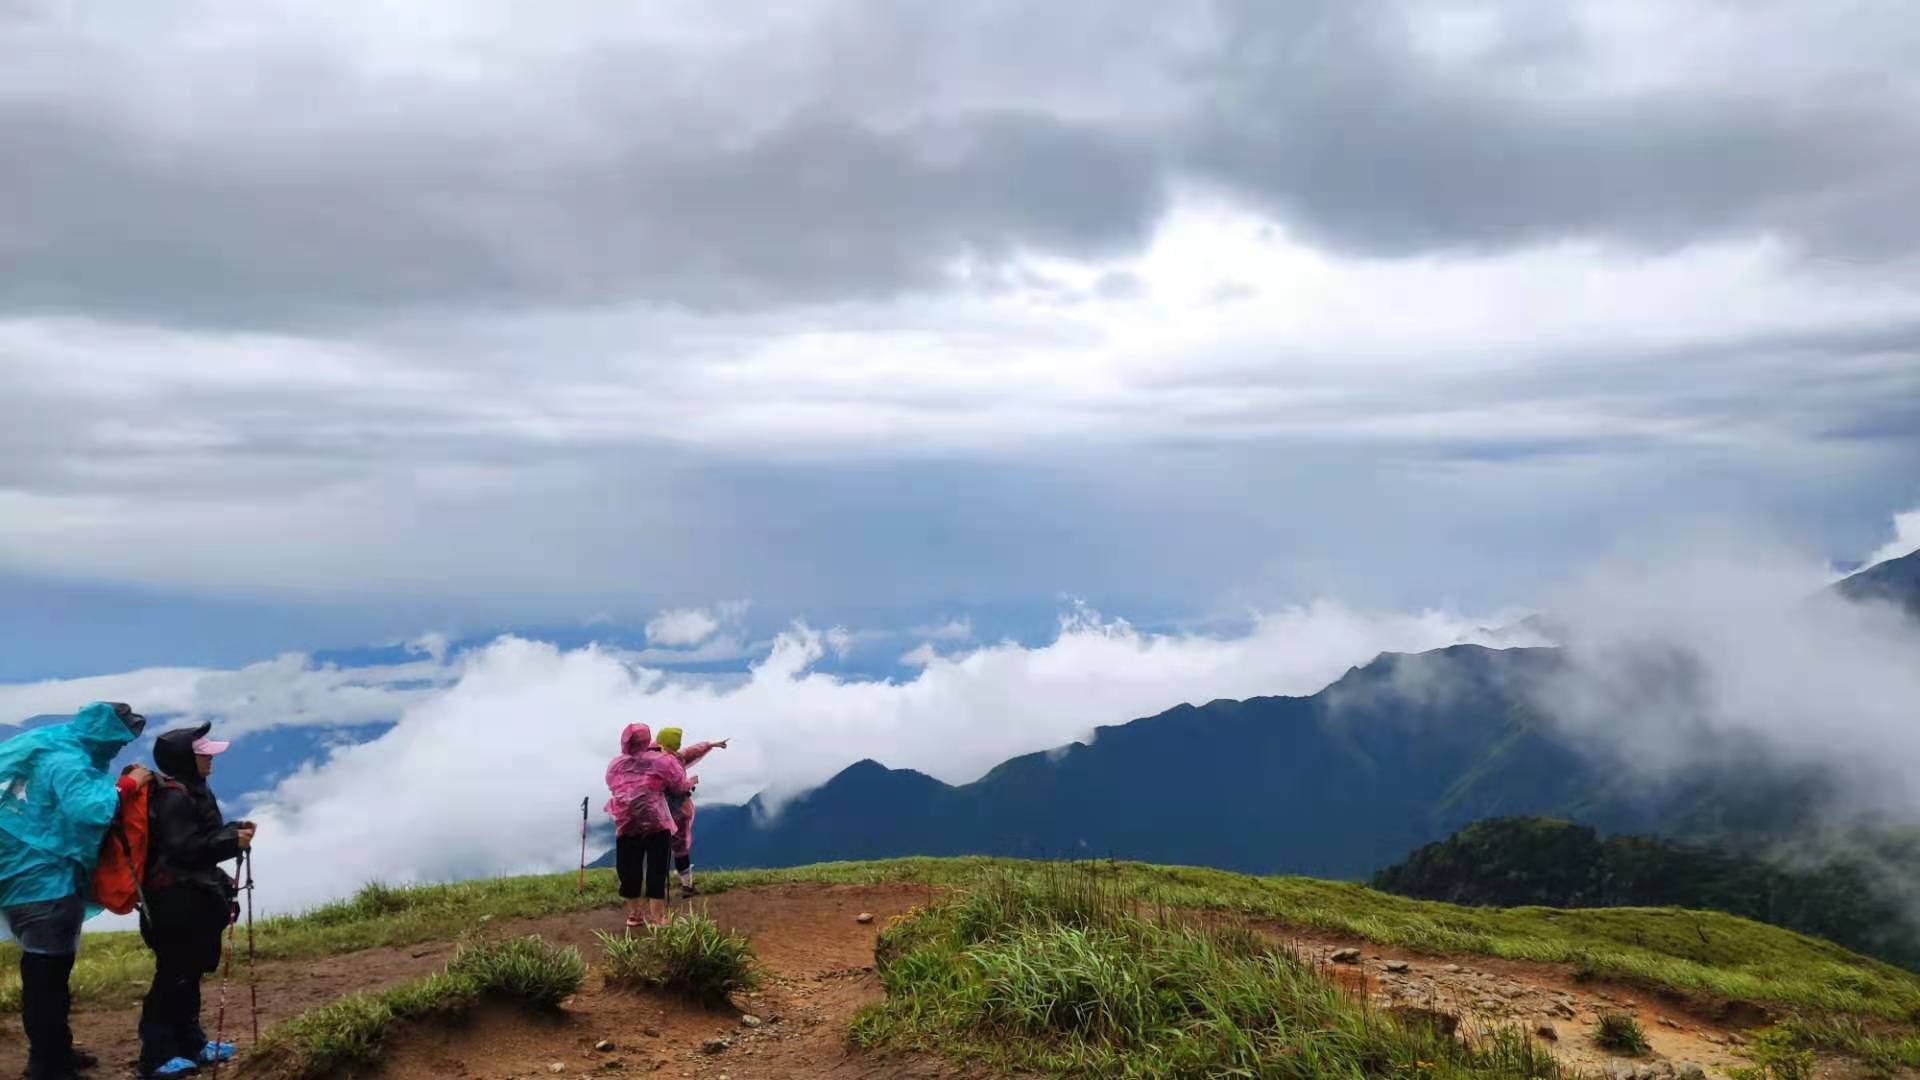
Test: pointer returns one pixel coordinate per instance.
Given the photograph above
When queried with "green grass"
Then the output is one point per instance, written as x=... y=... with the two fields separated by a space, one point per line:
x=351 y=1032
x=1777 y=1054
x=1040 y=974
x=1693 y=952
x=1620 y=1033
x=1885 y=1052
x=690 y=955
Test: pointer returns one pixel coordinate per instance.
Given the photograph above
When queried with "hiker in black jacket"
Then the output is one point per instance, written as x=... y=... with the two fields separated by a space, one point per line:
x=189 y=901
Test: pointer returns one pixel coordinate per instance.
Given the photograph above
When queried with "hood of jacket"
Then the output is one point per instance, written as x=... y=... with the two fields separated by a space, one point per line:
x=173 y=753
x=635 y=739
x=103 y=729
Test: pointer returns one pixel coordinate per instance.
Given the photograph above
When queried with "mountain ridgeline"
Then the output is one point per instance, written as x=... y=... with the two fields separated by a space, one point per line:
x=1896 y=582
x=1396 y=754
x=1515 y=862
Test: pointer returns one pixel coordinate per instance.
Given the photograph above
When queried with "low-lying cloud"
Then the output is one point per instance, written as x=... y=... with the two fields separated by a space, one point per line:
x=1720 y=650
x=486 y=775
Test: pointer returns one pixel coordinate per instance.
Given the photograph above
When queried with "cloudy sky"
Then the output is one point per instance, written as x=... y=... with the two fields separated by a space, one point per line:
x=325 y=323
x=1058 y=362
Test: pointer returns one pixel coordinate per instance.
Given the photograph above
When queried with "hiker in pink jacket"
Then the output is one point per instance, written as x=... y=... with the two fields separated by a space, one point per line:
x=641 y=779
x=682 y=808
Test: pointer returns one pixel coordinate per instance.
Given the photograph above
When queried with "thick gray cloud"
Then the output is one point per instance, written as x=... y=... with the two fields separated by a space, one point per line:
x=239 y=169
x=297 y=186
x=107 y=217
x=1342 y=118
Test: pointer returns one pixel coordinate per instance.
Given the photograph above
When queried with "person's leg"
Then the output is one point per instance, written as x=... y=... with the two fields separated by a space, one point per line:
x=48 y=1041
x=659 y=853
x=206 y=960
x=683 y=851
x=629 y=861
x=164 y=1015
x=48 y=933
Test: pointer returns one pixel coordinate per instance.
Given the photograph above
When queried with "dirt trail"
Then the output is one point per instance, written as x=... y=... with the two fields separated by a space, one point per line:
x=1543 y=999
x=820 y=961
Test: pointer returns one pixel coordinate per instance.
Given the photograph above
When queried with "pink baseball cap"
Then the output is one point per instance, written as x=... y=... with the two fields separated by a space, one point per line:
x=206 y=747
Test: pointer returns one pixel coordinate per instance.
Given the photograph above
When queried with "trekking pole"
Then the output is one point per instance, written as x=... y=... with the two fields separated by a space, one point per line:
x=583 y=844
x=253 y=982
x=226 y=973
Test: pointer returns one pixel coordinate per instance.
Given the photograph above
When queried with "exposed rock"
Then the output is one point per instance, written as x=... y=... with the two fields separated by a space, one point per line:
x=1563 y=1010
x=557 y=1067
x=863 y=918
x=1415 y=1016
x=715 y=1046
x=1398 y=967
x=1664 y=1022
x=751 y=1021
x=1545 y=1030
x=1453 y=969
x=604 y=1046
x=1345 y=956
x=1687 y=1070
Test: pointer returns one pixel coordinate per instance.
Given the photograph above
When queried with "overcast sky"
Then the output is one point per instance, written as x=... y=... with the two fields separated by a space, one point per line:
x=324 y=321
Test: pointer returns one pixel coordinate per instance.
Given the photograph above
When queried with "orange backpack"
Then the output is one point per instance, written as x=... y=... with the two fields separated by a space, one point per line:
x=123 y=857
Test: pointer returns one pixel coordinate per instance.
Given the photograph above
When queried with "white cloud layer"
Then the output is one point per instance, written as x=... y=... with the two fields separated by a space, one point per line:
x=484 y=776
x=1906 y=538
x=1706 y=651
x=289 y=690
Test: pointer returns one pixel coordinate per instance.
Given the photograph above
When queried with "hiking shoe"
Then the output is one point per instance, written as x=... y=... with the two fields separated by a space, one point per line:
x=688 y=890
x=216 y=1051
x=80 y=1059
x=177 y=1067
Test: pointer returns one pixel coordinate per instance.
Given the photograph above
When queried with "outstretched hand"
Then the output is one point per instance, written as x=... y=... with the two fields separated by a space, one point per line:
x=722 y=744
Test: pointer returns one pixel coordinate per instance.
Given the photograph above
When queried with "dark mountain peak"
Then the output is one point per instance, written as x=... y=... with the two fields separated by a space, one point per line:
x=869 y=777
x=1439 y=676
x=1895 y=581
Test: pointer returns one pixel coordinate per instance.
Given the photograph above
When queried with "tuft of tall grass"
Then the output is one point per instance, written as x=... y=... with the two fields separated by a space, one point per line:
x=351 y=1032
x=689 y=955
x=1620 y=1033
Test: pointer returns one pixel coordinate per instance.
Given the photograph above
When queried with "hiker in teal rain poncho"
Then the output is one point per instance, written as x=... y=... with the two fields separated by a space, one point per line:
x=57 y=797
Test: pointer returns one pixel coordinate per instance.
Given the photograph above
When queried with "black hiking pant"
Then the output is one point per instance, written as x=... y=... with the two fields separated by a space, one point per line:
x=642 y=862
x=45 y=1000
x=49 y=935
x=184 y=932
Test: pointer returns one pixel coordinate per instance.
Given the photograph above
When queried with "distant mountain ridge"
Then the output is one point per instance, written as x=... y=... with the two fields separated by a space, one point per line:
x=1395 y=754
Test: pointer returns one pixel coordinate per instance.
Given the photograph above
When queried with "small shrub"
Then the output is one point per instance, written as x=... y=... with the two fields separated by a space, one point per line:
x=1621 y=1034
x=1777 y=1054
x=689 y=955
x=527 y=970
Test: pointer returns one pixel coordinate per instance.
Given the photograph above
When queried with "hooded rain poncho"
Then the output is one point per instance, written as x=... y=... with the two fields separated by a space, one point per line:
x=57 y=798
x=640 y=779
